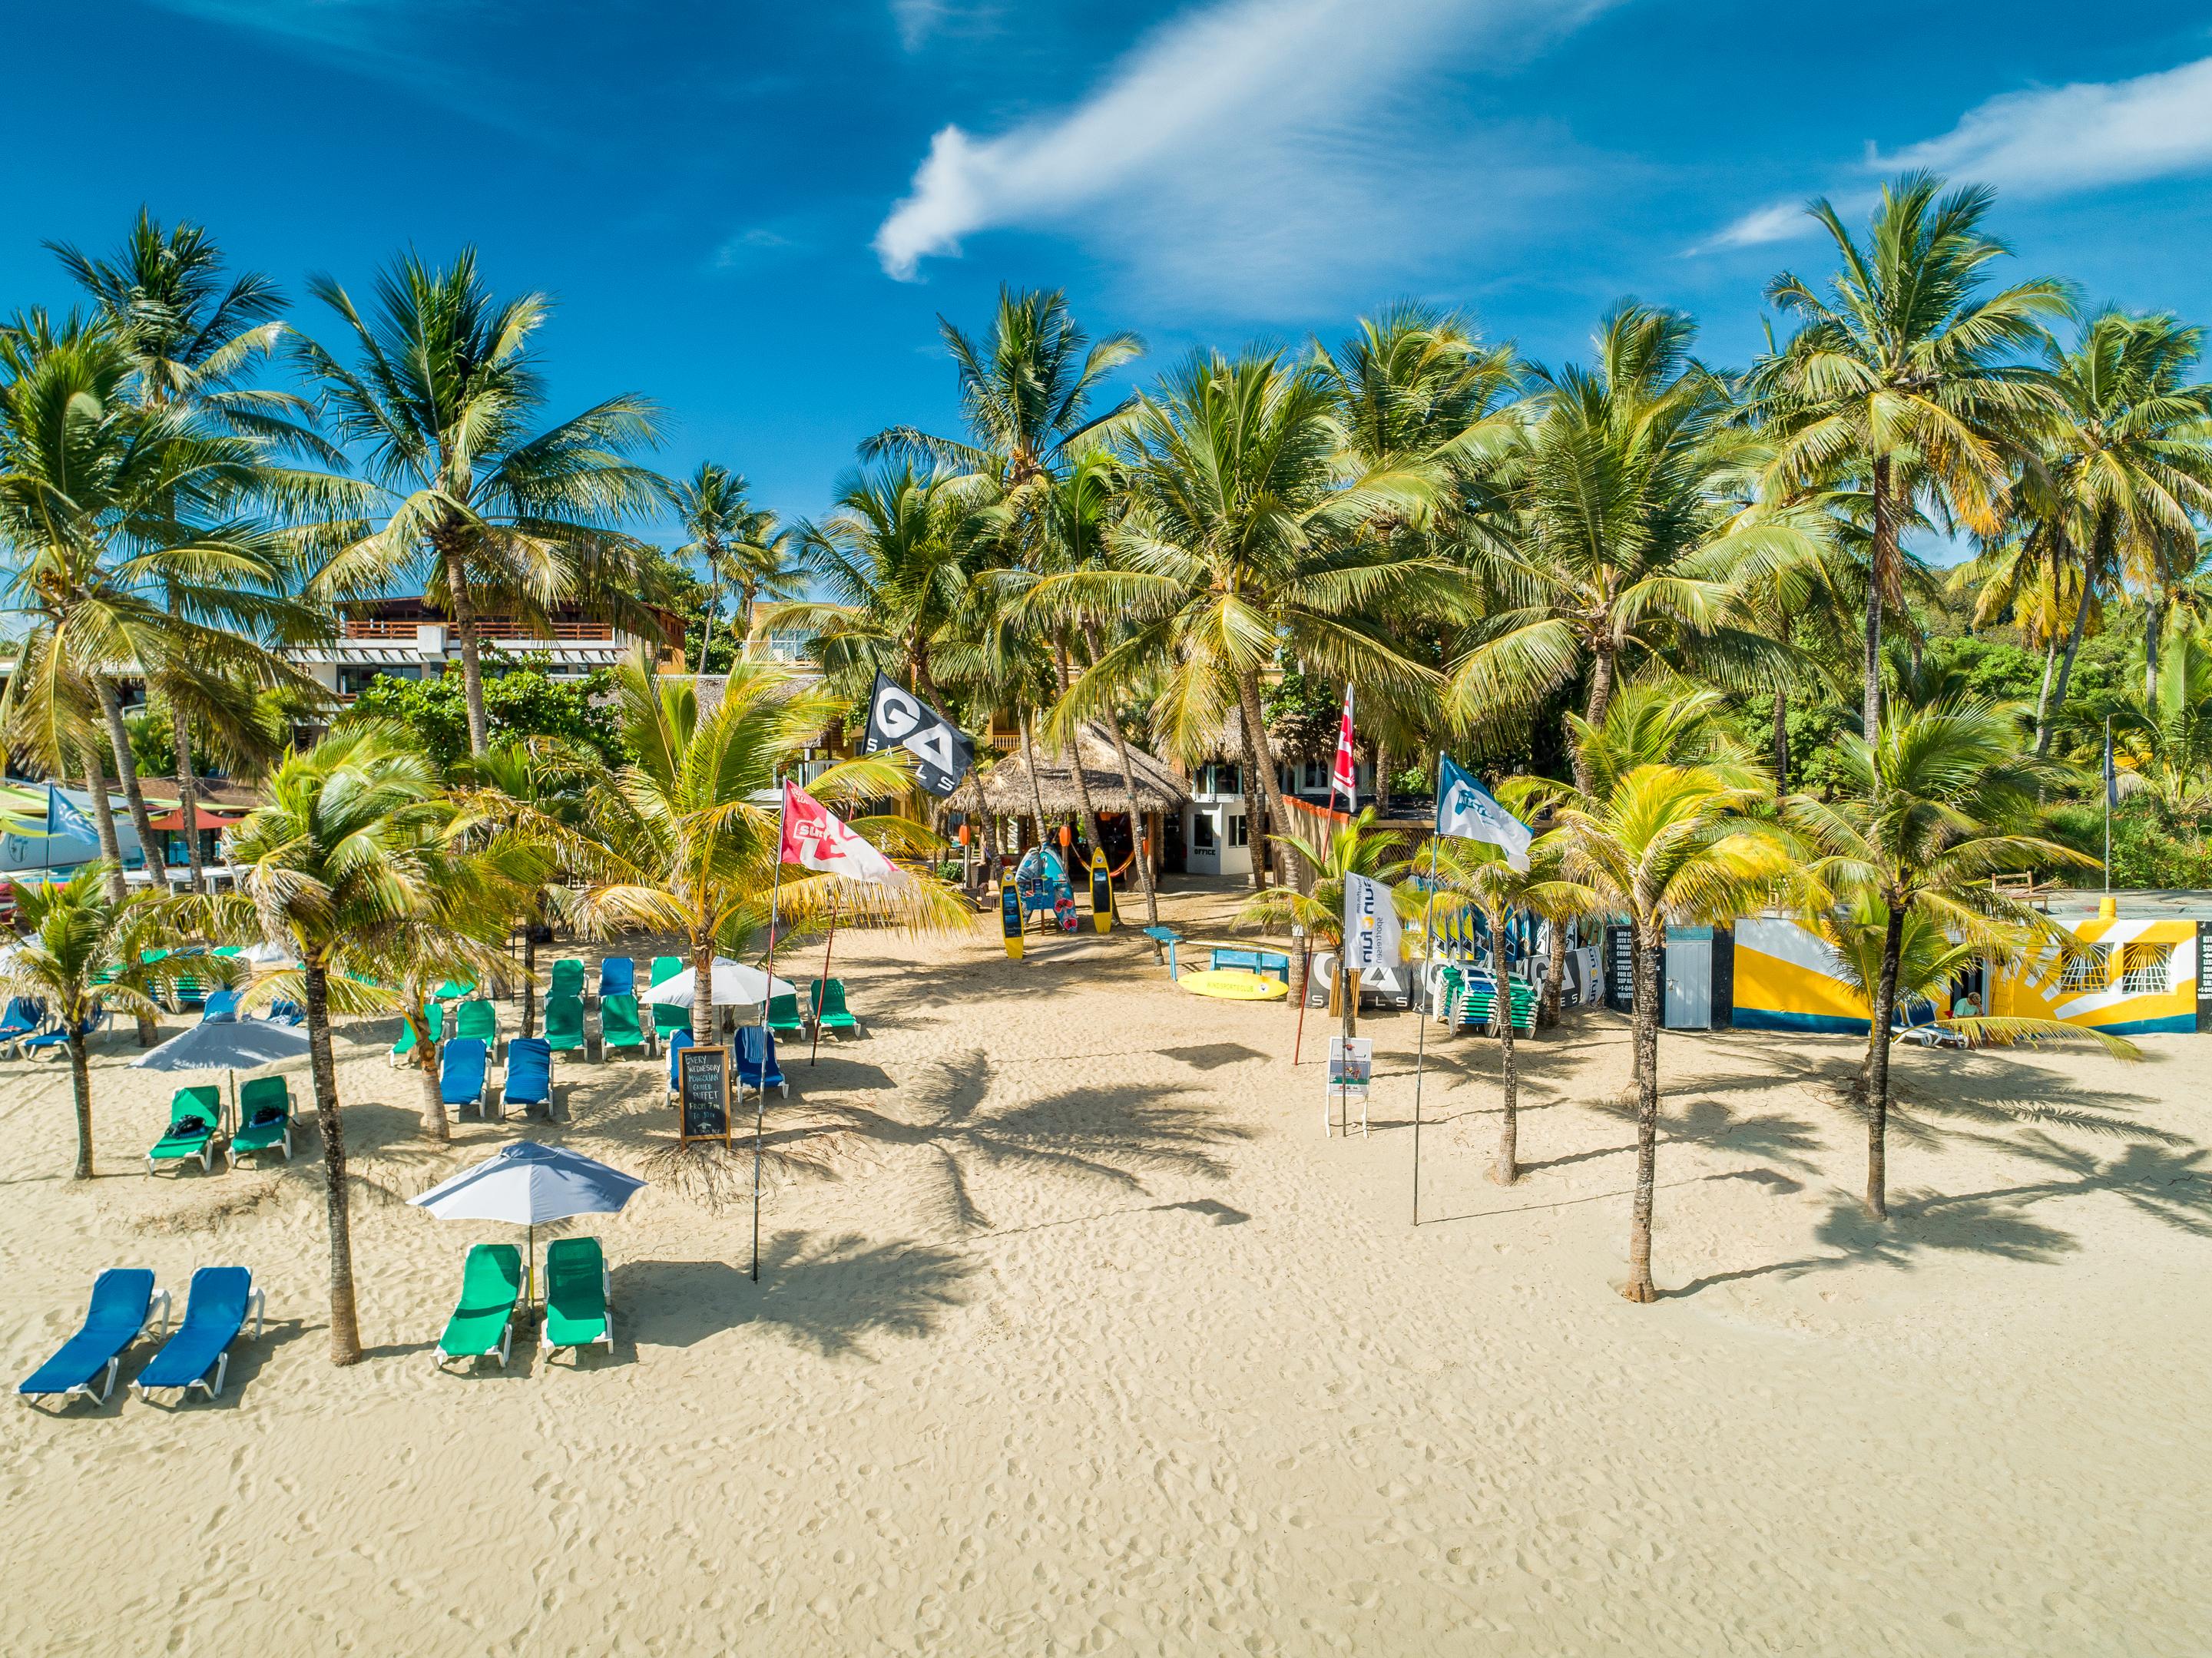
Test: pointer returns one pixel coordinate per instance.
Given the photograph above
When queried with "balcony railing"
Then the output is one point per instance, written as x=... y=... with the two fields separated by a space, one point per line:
x=491 y=628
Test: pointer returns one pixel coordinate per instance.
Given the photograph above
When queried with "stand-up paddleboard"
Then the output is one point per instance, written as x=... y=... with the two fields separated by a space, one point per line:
x=1102 y=892
x=1231 y=984
x=1010 y=918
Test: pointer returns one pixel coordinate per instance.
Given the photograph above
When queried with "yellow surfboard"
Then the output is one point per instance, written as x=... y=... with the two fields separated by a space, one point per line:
x=1230 y=984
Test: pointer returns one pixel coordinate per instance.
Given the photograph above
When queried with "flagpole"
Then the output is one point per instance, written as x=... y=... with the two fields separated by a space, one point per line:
x=768 y=993
x=1421 y=999
x=2110 y=780
x=827 y=947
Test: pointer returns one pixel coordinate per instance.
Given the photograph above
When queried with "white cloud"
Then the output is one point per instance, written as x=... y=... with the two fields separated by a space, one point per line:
x=917 y=20
x=2060 y=139
x=2048 y=141
x=1248 y=135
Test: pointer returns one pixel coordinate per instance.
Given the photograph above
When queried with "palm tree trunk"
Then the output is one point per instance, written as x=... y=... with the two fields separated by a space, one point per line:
x=188 y=795
x=1136 y=820
x=1507 y=1168
x=1248 y=698
x=2047 y=724
x=1883 y=555
x=1257 y=841
x=126 y=765
x=987 y=821
x=103 y=823
x=1781 y=742
x=464 y=629
x=2042 y=696
x=1601 y=699
x=81 y=1085
x=703 y=993
x=345 y=1326
x=2153 y=628
x=529 y=923
x=434 y=1125
x=1639 y=1287
x=1877 y=1067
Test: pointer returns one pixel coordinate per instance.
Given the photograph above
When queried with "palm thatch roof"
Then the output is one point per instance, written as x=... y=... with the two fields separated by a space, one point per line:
x=1005 y=789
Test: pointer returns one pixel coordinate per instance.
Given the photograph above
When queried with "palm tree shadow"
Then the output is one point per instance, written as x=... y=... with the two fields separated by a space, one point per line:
x=1918 y=1230
x=830 y=1294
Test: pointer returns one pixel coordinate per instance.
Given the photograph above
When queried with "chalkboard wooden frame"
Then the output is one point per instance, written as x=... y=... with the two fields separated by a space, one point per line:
x=684 y=1064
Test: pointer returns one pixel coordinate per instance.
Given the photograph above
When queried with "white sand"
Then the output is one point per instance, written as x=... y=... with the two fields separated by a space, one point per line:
x=1073 y=1334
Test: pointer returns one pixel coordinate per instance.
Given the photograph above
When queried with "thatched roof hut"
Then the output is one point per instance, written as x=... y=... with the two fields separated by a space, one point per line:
x=1005 y=789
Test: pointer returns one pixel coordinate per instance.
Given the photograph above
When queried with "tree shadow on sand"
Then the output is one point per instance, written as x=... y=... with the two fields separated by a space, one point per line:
x=830 y=1294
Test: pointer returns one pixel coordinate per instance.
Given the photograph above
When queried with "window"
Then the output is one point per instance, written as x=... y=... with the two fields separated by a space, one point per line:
x=2089 y=971
x=1237 y=835
x=1316 y=778
x=1202 y=831
x=1227 y=780
x=2143 y=970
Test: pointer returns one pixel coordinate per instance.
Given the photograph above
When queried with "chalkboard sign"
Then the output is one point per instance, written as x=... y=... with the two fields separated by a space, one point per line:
x=702 y=1078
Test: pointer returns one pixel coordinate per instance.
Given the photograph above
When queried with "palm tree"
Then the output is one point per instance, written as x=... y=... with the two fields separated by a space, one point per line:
x=688 y=831
x=438 y=405
x=1622 y=543
x=1939 y=802
x=2127 y=469
x=1471 y=876
x=741 y=546
x=191 y=335
x=81 y=950
x=1343 y=850
x=1240 y=545
x=2169 y=735
x=1665 y=845
x=127 y=559
x=337 y=860
x=1907 y=375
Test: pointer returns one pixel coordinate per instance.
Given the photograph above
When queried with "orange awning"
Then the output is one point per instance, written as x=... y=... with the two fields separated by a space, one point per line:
x=173 y=822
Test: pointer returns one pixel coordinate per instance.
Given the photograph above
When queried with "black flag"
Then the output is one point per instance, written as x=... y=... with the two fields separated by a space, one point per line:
x=898 y=720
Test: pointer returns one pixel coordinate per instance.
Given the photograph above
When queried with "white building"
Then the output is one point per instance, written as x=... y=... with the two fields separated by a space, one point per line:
x=1216 y=839
x=409 y=639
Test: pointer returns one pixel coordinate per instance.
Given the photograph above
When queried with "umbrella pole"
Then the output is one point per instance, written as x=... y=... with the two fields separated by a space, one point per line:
x=760 y=1095
x=827 y=947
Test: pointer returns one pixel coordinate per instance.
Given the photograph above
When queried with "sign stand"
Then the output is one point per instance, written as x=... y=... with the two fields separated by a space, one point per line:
x=702 y=1094
x=1009 y=915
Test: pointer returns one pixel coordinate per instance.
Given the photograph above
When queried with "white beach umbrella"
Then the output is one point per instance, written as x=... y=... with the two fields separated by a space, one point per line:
x=527 y=1184
x=735 y=985
x=268 y=955
x=225 y=1042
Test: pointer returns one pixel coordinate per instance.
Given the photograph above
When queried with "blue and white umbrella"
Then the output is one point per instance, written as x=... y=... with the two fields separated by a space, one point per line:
x=225 y=1042
x=527 y=1184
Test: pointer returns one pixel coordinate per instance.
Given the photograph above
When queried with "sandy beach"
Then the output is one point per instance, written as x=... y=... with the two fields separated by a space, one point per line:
x=1075 y=1334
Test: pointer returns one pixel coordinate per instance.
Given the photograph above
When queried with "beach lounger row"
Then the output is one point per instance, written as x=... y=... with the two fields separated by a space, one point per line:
x=578 y=1294
x=32 y=1033
x=464 y=1082
x=617 y=976
x=752 y=1060
x=475 y=1020
x=195 y=1130
x=622 y=1028
x=123 y=1300
x=825 y=1010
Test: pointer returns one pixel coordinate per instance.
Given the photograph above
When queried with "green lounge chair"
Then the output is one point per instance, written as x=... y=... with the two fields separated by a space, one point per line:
x=564 y=1023
x=264 y=1119
x=618 y=1025
x=668 y=1019
x=830 y=1012
x=479 y=1019
x=484 y=1319
x=194 y=1116
x=433 y=1015
x=568 y=980
x=453 y=989
x=577 y=1295
x=664 y=967
x=783 y=1016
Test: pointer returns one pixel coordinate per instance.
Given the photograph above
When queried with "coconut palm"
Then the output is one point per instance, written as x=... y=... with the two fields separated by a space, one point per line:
x=688 y=831
x=193 y=333
x=129 y=557
x=336 y=865
x=81 y=951
x=1471 y=876
x=1621 y=543
x=2126 y=470
x=1239 y=545
x=1942 y=800
x=741 y=546
x=2169 y=735
x=1664 y=845
x=438 y=406
x=1907 y=375
x=1353 y=847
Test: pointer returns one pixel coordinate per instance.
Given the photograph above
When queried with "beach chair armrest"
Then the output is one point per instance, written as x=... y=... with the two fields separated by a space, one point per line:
x=258 y=1300
x=162 y=1296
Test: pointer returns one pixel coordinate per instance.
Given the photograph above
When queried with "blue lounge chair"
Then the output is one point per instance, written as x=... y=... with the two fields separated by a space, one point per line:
x=461 y=1078
x=677 y=1042
x=617 y=977
x=529 y=1074
x=755 y=1071
x=122 y=1301
x=24 y=1018
x=215 y=1315
x=58 y=1038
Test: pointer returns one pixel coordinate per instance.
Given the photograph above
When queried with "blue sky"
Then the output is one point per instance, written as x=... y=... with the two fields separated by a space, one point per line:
x=754 y=213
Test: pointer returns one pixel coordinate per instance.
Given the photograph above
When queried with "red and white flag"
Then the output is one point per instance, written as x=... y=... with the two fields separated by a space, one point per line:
x=814 y=837
x=1342 y=776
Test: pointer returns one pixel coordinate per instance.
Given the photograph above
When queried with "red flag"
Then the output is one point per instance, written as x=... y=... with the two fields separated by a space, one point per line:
x=815 y=838
x=1342 y=775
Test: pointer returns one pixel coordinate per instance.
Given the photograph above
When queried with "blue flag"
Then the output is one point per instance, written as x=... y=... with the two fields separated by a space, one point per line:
x=1467 y=810
x=2112 y=777
x=63 y=817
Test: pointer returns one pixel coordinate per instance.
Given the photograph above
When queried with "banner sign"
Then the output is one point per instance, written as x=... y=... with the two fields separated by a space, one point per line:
x=943 y=753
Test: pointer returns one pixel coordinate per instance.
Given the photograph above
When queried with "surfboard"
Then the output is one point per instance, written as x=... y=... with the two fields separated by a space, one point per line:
x=1102 y=892
x=1010 y=918
x=1230 y=984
